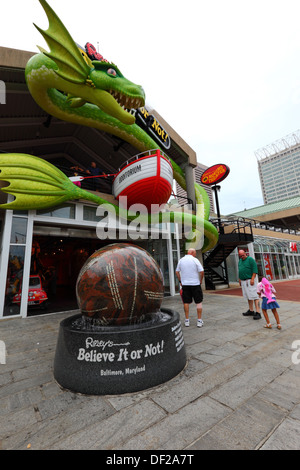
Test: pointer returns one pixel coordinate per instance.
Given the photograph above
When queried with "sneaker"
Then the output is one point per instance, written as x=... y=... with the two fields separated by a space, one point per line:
x=257 y=316
x=187 y=322
x=248 y=313
x=199 y=323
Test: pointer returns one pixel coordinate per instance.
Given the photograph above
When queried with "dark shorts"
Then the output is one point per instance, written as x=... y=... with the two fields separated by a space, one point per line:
x=192 y=292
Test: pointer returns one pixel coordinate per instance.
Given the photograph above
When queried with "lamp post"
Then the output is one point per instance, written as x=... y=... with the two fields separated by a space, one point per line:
x=216 y=188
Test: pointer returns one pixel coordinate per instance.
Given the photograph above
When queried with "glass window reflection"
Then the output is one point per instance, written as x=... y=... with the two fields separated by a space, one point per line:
x=14 y=280
x=65 y=212
x=18 y=230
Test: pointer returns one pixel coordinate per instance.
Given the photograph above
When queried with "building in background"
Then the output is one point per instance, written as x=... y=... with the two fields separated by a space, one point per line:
x=276 y=240
x=279 y=168
x=284 y=213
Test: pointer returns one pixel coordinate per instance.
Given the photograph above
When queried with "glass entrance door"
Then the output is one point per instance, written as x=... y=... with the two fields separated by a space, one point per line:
x=291 y=266
x=297 y=263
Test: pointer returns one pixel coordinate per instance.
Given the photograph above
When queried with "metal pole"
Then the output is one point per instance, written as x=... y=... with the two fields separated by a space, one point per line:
x=216 y=188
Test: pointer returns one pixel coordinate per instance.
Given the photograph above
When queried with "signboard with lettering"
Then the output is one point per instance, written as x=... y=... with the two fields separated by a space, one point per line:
x=215 y=174
x=268 y=268
x=151 y=125
x=110 y=361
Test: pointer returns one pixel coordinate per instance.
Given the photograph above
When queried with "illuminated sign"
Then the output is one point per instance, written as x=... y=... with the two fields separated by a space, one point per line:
x=215 y=174
x=151 y=125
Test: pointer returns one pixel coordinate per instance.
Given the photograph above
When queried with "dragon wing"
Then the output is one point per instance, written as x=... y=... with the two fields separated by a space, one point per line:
x=63 y=50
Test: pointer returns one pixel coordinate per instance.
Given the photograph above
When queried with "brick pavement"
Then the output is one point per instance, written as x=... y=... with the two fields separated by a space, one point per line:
x=285 y=290
x=239 y=390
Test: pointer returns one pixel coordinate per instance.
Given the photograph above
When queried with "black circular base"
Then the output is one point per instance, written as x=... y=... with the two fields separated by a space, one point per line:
x=116 y=360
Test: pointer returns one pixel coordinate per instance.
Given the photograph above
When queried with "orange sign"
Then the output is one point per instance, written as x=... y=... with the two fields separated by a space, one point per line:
x=215 y=174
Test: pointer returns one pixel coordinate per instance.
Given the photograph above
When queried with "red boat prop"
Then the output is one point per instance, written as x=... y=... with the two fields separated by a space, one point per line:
x=146 y=179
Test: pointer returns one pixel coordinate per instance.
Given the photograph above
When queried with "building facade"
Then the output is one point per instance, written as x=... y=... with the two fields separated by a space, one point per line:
x=276 y=240
x=42 y=252
x=277 y=259
x=279 y=169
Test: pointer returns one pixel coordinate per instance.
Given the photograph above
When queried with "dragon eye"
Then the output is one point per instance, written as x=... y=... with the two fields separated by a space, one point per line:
x=112 y=72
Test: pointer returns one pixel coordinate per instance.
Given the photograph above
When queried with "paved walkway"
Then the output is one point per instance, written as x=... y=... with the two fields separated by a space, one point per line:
x=240 y=389
x=285 y=290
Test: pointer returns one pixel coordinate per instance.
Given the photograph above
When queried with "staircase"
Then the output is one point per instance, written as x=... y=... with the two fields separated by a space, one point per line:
x=232 y=233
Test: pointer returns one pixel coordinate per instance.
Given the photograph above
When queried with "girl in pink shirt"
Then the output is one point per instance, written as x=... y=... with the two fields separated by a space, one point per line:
x=267 y=292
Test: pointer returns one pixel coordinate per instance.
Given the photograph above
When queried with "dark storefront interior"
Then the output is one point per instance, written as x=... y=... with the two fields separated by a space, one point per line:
x=58 y=260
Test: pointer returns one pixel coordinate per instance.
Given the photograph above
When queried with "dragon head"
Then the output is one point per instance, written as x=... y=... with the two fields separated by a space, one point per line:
x=121 y=95
x=97 y=82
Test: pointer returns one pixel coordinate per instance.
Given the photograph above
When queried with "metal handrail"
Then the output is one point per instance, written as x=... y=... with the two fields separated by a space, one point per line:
x=239 y=224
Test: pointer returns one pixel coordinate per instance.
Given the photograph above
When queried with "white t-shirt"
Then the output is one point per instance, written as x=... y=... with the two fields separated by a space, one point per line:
x=189 y=268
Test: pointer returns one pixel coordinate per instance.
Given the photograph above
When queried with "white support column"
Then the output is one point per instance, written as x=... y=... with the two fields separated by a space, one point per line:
x=251 y=250
x=170 y=262
x=4 y=257
x=190 y=184
x=26 y=268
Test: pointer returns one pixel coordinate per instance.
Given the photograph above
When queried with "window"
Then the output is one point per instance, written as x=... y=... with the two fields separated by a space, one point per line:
x=18 y=230
x=16 y=258
x=89 y=214
x=64 y=212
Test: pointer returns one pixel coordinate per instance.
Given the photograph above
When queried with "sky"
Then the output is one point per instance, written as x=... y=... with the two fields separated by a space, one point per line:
x=225 y=74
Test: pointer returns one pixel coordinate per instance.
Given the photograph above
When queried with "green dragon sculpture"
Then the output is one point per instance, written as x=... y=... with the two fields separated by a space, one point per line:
x=67 y=84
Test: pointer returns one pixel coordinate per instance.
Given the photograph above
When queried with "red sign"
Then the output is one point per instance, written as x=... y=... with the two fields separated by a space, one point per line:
x=293 y=247
x=268 y=268
x=215 y=174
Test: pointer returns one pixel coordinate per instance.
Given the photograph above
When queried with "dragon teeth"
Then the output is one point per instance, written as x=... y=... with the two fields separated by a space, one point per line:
x=125 y=102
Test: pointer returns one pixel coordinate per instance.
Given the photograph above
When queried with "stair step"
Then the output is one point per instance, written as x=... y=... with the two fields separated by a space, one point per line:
x=221 y=286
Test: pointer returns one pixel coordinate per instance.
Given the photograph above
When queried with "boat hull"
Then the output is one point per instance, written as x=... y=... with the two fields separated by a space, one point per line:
x=145 y=180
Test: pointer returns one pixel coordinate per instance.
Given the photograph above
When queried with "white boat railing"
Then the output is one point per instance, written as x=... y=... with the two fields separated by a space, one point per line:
x=143 y=154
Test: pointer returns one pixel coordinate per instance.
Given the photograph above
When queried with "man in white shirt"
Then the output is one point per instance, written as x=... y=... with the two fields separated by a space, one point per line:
x=190 y=274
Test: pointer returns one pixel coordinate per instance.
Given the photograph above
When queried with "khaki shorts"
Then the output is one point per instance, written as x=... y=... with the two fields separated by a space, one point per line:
x=249 y=292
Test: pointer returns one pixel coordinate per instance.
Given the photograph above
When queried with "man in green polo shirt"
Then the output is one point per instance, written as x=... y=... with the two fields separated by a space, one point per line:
x=248 y=281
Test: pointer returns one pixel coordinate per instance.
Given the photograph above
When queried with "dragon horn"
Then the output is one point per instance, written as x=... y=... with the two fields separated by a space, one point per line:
x=63 y=49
